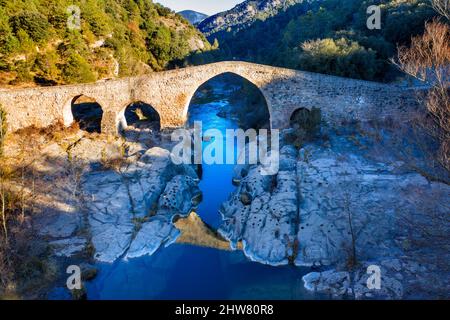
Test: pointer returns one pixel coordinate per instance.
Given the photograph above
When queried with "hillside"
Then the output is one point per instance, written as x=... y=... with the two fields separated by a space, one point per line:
x=244 y=14
x=326 y=36
x=116 y=38
x=193 y=17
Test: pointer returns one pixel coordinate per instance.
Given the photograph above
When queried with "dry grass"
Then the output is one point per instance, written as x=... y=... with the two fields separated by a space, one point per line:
x=194 y=231
x=25 y=267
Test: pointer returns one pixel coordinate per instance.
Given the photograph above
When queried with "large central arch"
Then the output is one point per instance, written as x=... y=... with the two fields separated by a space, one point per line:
x=253 y=99
x=192 y=92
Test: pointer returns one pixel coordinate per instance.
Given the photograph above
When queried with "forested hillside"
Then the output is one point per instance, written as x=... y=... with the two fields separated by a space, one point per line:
x=326 y=36
x=244 y=14
x=115 y=38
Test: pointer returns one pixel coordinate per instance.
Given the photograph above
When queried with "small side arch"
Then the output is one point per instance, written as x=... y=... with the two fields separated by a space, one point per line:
x=84 y=110
x=306 y=119
x=138 y=114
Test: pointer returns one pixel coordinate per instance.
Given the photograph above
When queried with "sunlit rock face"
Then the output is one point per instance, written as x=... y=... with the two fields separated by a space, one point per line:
x=338 y=206
x=263 y=212
x=337 y=187
x=356 y=212
x=176 y=200
x=131 y=212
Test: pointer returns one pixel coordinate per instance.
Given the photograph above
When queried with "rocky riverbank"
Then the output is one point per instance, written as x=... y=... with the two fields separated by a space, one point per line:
x=97 y=198
x=343 y=199
x=337 y=209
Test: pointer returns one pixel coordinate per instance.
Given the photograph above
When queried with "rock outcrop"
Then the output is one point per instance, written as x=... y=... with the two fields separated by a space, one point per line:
x=263 y=213
x=130 y=212
x=336 y=209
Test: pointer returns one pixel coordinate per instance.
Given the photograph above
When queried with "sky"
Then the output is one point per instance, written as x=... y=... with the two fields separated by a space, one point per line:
x=209 y=7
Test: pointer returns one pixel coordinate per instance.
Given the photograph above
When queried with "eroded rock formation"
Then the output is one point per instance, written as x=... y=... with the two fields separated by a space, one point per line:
x=334 y=207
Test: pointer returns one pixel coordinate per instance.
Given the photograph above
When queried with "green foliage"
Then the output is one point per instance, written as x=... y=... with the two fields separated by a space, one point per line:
x=77 y=70
x=36 y=45
x=34 y=24
x=159 y=43
x=340 y=57
x=46 y=66
x=334 y=34
x=8 y=42
x=95 y=15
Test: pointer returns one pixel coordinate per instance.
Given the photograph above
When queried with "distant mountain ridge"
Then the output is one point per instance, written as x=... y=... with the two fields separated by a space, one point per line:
x=244 y=14
x=192 y=16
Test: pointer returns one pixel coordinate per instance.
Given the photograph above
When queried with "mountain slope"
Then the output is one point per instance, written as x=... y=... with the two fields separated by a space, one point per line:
x=193 y=17
x=325 y=36
x=115 y=38
x=244 y=14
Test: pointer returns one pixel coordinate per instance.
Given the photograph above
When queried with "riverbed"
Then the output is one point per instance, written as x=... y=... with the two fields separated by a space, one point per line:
x=181 y=271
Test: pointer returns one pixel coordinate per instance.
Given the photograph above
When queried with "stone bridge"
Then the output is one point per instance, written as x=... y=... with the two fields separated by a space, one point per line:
x=170 y=93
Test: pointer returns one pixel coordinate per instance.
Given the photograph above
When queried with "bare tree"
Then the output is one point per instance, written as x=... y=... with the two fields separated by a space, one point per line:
x=2 y=126
x=2 y=186
x=442 y=7
x=428 y=59
x=352 y=260
x=3 y=208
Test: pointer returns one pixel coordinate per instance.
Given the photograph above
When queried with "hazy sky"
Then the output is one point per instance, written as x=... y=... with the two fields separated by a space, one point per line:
x=205 y=6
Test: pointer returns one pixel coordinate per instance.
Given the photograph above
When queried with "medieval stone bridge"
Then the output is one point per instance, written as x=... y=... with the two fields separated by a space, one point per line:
x=170 y=93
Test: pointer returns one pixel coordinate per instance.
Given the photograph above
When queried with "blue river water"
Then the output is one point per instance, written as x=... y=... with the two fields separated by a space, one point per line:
x=182 y=271
x=216 y=179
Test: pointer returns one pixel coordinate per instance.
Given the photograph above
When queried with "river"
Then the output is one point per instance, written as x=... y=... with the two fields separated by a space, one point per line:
x=182 y=271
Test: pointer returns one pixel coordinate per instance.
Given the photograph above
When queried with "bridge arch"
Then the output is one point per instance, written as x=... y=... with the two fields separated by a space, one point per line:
x=137 y=113
x=85 y=110
x=235 y=73
x=305 y=118
x=171 y=92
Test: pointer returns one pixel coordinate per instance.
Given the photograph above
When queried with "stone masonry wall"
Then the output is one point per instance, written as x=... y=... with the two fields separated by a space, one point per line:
x=170 y=93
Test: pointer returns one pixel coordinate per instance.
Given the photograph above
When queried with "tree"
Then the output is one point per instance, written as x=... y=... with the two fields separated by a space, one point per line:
x=159 y=44
x=340 y=57
x=2 y=191
x=442 y=7
x=2 y=129
x=428 y=59
x=133 y=33
x=7 y=40
x=96 y=17
x=34 y=24
x=46 y=65
x=77 y=70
